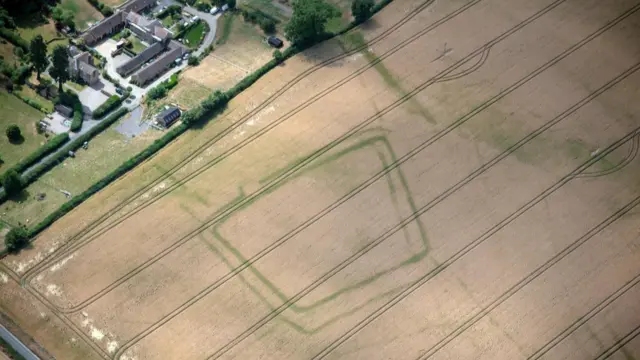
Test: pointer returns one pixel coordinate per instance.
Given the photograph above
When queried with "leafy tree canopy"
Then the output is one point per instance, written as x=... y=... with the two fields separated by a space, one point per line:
x=362 y=9
x=309 y=19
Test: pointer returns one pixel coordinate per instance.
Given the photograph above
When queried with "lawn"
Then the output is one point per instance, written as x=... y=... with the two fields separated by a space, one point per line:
x=113 y=3
x=194 y=34
x=106 y=152
x=225 y=24
x=167 y=21
x=138 y=46
x=31 y=94
x=15 y=111
x=84 y=14
x=48 y=32
x=6 y=52
x=267 y=7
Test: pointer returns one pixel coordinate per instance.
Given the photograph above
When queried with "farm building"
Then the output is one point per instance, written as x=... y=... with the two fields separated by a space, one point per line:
x=168 y=116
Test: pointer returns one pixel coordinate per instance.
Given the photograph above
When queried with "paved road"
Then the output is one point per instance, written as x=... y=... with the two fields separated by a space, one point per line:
x=17 y=345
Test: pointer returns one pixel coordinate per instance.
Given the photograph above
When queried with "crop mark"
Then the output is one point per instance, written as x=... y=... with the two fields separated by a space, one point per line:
x=93 y=225
x=585 y=318
x=618 y=345
x=392 y=106
x=532 y=74
x=441 y=197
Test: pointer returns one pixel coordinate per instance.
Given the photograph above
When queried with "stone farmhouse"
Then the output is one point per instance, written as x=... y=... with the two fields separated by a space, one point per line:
x=150 y=31
x=81 y=66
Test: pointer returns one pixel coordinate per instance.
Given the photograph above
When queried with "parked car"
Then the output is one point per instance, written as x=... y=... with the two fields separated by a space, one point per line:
x=225 y=7
x=275 y=42
x=119 y=91
x=214 y=10
x=195 y=19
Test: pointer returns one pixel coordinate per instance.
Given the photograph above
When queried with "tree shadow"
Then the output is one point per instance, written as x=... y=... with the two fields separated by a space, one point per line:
x=370 y=25
x=17 y=141
x=19 y=197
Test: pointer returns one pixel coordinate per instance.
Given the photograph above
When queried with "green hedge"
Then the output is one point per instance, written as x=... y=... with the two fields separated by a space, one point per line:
x=72 y=146
x=31 y=102
x=209 y=107
x=71 y=99
x=44 y=150
x=162 y=89
x=78 y=117
x=112 y=102
x=14 y=38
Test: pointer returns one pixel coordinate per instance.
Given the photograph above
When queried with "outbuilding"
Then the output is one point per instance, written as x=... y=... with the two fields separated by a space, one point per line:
x=168 y=116
x=275 y=42
x=64 y=110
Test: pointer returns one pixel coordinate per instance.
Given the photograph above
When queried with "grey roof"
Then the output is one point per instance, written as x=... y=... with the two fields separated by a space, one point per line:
x=152 y=70
x=87 y=69
x=64 y=110
x=169 y=115
x=104 y=27
x=73 y=51
x=137 y=5
x=140 y=59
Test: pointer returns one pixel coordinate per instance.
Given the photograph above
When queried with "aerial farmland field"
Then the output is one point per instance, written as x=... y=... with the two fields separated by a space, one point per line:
x=453 y=180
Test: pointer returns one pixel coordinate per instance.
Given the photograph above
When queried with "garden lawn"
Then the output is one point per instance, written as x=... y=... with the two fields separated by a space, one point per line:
x=84 y=13
x=15 y=111
x=106 y=152
x=48 y=32
x=194 y=34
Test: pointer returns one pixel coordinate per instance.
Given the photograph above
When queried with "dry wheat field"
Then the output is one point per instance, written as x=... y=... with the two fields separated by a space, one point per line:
x=452 y=180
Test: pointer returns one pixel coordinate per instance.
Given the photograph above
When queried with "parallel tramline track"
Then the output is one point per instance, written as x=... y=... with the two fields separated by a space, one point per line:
x=103 y=218
x=273 y=182
x=601 y=306
x=371 y=180
x=422 y=210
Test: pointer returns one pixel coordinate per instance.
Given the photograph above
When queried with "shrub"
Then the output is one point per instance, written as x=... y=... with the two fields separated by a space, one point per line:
x=13 y=133
x=193 y=60
x=16 y=239
x=11 y=182
x=362 y=10
x=44 y=150
x=268 y=25
x=277 y=54
x=162 y=89
x=203 y=7
x=112 y=102
x=29 y=101
x=14 y=38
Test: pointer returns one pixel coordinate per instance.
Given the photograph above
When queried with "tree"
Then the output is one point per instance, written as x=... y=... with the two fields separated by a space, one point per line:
x=268 y=25
x=277 y=54
x=11 y=182
x=63 y=17
x=307 y=24
x=60 y=69
x=362 y=10
x=38 y=51
x=16 y=239
x=193 y=61
x=232 y=4
x=13 y=133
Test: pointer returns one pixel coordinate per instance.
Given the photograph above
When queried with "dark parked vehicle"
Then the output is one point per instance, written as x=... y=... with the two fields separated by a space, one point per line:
x=275 y=42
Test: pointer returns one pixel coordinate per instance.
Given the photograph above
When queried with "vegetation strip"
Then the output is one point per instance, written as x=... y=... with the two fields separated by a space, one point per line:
x=210 y=107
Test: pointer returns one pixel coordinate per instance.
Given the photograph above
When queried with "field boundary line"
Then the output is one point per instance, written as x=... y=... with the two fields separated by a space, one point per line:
x=619 y=344
x=503 y=223
x=381 y=113
x=307 y=160
x=435 y=201
x=103 y=218
x=585 y=318
x=633 y=152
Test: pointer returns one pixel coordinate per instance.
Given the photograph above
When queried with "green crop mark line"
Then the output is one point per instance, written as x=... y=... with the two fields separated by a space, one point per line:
x=354 y=40
x=415 y=257
x=78 y=241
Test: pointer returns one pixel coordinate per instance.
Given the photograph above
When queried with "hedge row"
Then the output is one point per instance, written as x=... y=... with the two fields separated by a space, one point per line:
x=78 y=117
x=112 y=102
x=105 y=10
x=44 y=150
x=31 y=102
x=71 y=99
x=215 y=102
x=14 y=38
x=112 y=176
x=162 y=89
x=72 y=146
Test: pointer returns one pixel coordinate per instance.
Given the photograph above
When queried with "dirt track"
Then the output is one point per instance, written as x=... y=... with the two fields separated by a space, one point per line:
x=473 y=195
